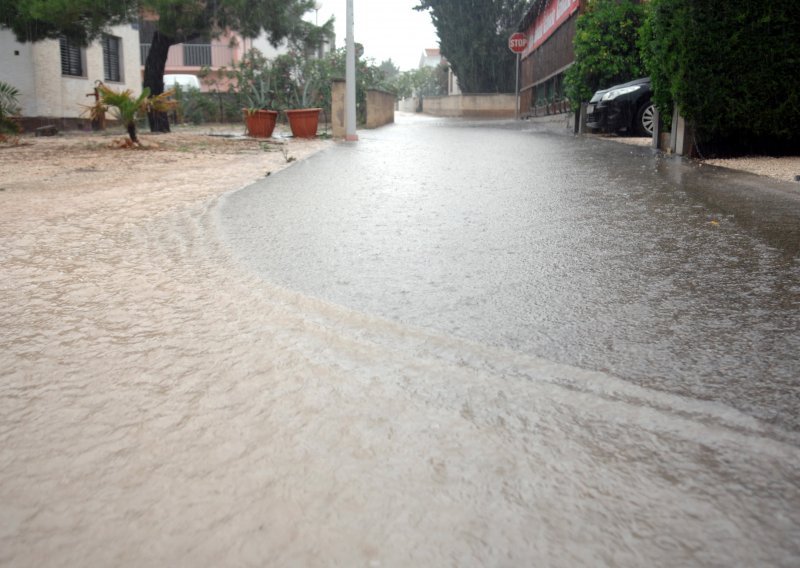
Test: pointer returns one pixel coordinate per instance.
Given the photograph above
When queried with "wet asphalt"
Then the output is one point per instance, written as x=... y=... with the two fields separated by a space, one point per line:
x=605 y=256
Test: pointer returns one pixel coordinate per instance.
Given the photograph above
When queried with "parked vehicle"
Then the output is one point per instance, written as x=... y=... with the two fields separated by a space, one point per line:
x=623 y=108
x=184 y=81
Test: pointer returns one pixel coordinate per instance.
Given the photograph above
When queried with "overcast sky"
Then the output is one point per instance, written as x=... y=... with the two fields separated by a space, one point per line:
x=386 y=28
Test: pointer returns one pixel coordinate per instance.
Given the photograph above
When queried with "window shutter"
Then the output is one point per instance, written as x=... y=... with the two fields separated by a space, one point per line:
x=71 y=62
x=111 y=56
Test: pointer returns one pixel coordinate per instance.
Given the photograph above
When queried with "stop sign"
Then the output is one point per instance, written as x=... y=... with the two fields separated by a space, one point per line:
x=518 y=42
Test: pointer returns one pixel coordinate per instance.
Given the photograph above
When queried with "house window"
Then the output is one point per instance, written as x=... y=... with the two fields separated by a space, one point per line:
x=71 y=58
x=111 y=58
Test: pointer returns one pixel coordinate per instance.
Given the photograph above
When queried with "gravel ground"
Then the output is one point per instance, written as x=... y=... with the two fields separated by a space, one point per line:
x=785 y=168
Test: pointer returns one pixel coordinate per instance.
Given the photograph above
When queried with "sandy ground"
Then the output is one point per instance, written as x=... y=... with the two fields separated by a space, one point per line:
x=65 y=174
x=160 y=406
x=217 y=158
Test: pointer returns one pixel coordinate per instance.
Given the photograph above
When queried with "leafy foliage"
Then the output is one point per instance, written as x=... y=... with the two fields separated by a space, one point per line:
x=191 y=19
x=182 y=20
x=473 y=37
x=127 y=108
x=178 y=21
x=253 y=76
x=197 y=107
x=9 y=108
x=330 y=67
x=606 y=52
x=80 y=20
x=297 y=81
x=389 y=69
x=426 y=82
x=731 y=67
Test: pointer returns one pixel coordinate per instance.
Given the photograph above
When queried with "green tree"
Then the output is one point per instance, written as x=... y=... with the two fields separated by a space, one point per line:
x=389 y=69
x=402 y=84
x=184 y=20
x=80 y=20
x=606 y=51
x=473 y=37
x=177 y=21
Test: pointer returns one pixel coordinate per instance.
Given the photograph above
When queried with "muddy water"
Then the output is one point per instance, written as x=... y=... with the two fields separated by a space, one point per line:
x=584 y=252
x=162 y=405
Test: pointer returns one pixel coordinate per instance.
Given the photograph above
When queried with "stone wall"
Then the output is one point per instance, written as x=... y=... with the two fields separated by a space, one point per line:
x=380 y=108
x=477 y=106
x=338 y=128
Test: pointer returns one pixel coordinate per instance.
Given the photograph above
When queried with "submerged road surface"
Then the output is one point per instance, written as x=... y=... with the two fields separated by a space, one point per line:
x=584 y=252
x=446 y=345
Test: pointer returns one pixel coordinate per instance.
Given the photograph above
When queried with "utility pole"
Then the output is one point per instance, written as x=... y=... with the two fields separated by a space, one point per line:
x=350 y=80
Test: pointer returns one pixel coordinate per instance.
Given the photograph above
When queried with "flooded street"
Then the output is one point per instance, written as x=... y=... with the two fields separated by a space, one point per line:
x=584 y=252
x=419 y=350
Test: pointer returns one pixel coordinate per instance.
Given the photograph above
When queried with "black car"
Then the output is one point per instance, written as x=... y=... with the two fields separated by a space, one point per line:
x=623 y=108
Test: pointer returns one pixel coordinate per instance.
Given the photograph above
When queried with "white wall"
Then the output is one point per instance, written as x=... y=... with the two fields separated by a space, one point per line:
x=16 y=69
x=45 y=92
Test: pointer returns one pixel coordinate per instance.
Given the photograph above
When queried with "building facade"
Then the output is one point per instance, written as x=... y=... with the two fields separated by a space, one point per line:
x=56 y=78
x=550 y=28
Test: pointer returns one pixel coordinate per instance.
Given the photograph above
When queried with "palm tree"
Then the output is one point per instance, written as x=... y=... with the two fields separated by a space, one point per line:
x=127 y=108
x=9 y=108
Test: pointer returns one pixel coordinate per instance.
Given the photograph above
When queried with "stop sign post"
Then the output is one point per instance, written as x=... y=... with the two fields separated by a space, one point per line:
x=517 y=43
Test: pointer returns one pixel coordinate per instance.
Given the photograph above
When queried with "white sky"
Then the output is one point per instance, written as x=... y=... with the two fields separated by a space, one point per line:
x=386 y=28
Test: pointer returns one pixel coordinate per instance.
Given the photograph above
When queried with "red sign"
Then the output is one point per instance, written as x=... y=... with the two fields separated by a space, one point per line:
x=518 y=42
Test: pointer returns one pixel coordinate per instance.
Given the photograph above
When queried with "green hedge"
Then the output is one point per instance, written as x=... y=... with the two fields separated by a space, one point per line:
x=732 y=67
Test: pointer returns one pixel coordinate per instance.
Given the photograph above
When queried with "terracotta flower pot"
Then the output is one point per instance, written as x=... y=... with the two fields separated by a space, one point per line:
x=303 y=122
x=260 y=123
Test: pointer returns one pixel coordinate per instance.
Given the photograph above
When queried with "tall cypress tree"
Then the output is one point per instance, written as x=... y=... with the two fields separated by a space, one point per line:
x=473 y=37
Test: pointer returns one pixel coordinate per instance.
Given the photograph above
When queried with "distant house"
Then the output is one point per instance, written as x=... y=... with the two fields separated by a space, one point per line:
x=211 y=53
x=432 y=57
x=550 y=27
x=56 y=77
x=191 y=57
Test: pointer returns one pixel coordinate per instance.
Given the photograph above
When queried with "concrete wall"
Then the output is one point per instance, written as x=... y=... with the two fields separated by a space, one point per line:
x=380 y=108
x=410 y=104
x=337 y=108
x=35 y=70
x=484 y=106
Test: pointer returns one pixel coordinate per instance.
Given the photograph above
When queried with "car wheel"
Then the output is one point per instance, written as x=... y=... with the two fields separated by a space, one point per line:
x=645 y=119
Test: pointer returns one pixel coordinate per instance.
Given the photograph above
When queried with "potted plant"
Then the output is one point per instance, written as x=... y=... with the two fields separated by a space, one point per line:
x=299 y=86
x=254 y=79
x=258 y=117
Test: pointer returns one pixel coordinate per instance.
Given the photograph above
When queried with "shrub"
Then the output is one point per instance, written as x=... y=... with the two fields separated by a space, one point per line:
x=9 y=109
x=731 y=67
x=606 y=51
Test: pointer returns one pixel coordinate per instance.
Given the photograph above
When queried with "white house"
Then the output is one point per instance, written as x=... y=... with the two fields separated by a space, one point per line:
x=432 y=57
x=54 y=77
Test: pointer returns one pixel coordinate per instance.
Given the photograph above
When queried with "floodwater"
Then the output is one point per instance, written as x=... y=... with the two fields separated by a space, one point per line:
x=439 y=389
x=587 y=253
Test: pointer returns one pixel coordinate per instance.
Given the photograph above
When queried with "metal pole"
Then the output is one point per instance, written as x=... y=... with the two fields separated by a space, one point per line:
x=350 y=80
x=516 y=90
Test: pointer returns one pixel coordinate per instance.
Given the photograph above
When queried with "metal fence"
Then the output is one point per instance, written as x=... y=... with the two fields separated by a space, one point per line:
x=194 y=55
